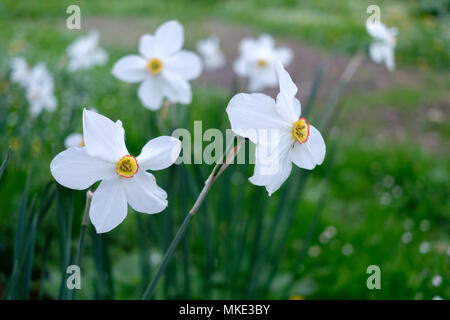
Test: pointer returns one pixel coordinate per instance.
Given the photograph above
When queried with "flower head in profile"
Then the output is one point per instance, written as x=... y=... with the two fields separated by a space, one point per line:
x=39 y=90
x=210 y=52
x=19 y=71
x=85 y=52
x=124 y=178
x=382 y=49
x=162 y=67
x=281 y=136
x=257 y=61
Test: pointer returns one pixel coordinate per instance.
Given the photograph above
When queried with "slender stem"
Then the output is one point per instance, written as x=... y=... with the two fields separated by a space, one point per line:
x=84 y=224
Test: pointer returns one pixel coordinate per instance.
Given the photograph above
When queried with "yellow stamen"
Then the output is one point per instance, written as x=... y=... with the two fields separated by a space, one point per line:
x=127 y=167
x=82 y=143
x=262 y=63
x=154 y=66
x=300 y=131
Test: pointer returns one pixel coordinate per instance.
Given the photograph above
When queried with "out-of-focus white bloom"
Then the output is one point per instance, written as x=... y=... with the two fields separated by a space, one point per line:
x=314 y=251
x=210 y=52
x=162 y=66
x=85 y=52
x=437 y=280
x=437 y=298
x=382 y=50
x=39 y=90
x=124 y=178
x=19 y=71
x=74 y=140
x=347 y=249
x=280 y=135
x=257 y=61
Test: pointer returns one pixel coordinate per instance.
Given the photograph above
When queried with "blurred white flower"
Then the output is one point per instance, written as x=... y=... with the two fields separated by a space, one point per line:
x=314 y=251
x=257 y=61
x=407 y=237
x=280 y=135
x=39 y=90
x=382 y=50
x=210 y=53
x=347 y=249
x=424 y=225
x=19 y=71
x=85 y=52
x=327 y=234
x=124 y=178
x=74 y=140
x=436 y=281
x=437 y=298
x=162 y=67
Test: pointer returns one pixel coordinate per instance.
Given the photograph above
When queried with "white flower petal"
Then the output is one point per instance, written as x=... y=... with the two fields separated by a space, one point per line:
x=286 y=107
x=150 y=93
x=261 y=77
x=148 y=46
x=109 y=205
x=144 y=195
x=266 y=41
x=389 y=58
x=159 y=153
x=378 y=30
x=252 y=112
x=74 y=168
x=103 y=138
x=131 y=68
x=169 y=37
x=186 y=64
x=176 y=89
x=376 y=51
x=311 y=153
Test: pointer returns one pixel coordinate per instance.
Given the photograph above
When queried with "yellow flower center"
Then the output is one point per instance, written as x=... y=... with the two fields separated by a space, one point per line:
x=154 y=66
x=262 y=63
x=127 y=167
x=82 y=143
x=300 y=131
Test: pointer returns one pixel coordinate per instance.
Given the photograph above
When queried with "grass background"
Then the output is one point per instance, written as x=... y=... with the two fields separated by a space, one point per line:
x=388 y=173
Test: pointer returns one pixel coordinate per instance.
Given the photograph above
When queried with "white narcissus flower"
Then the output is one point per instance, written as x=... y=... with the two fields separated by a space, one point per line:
x=124 y=178
x=19 y=71
x=74 y=140
x=85 y=52
x=280 y=135
x=39 y=90
x=162 y=66
x=382 y=50
x=209 y=50
x=257 y=61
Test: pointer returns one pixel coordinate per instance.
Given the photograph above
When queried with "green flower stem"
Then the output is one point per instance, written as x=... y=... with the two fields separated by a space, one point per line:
x=216 y=172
